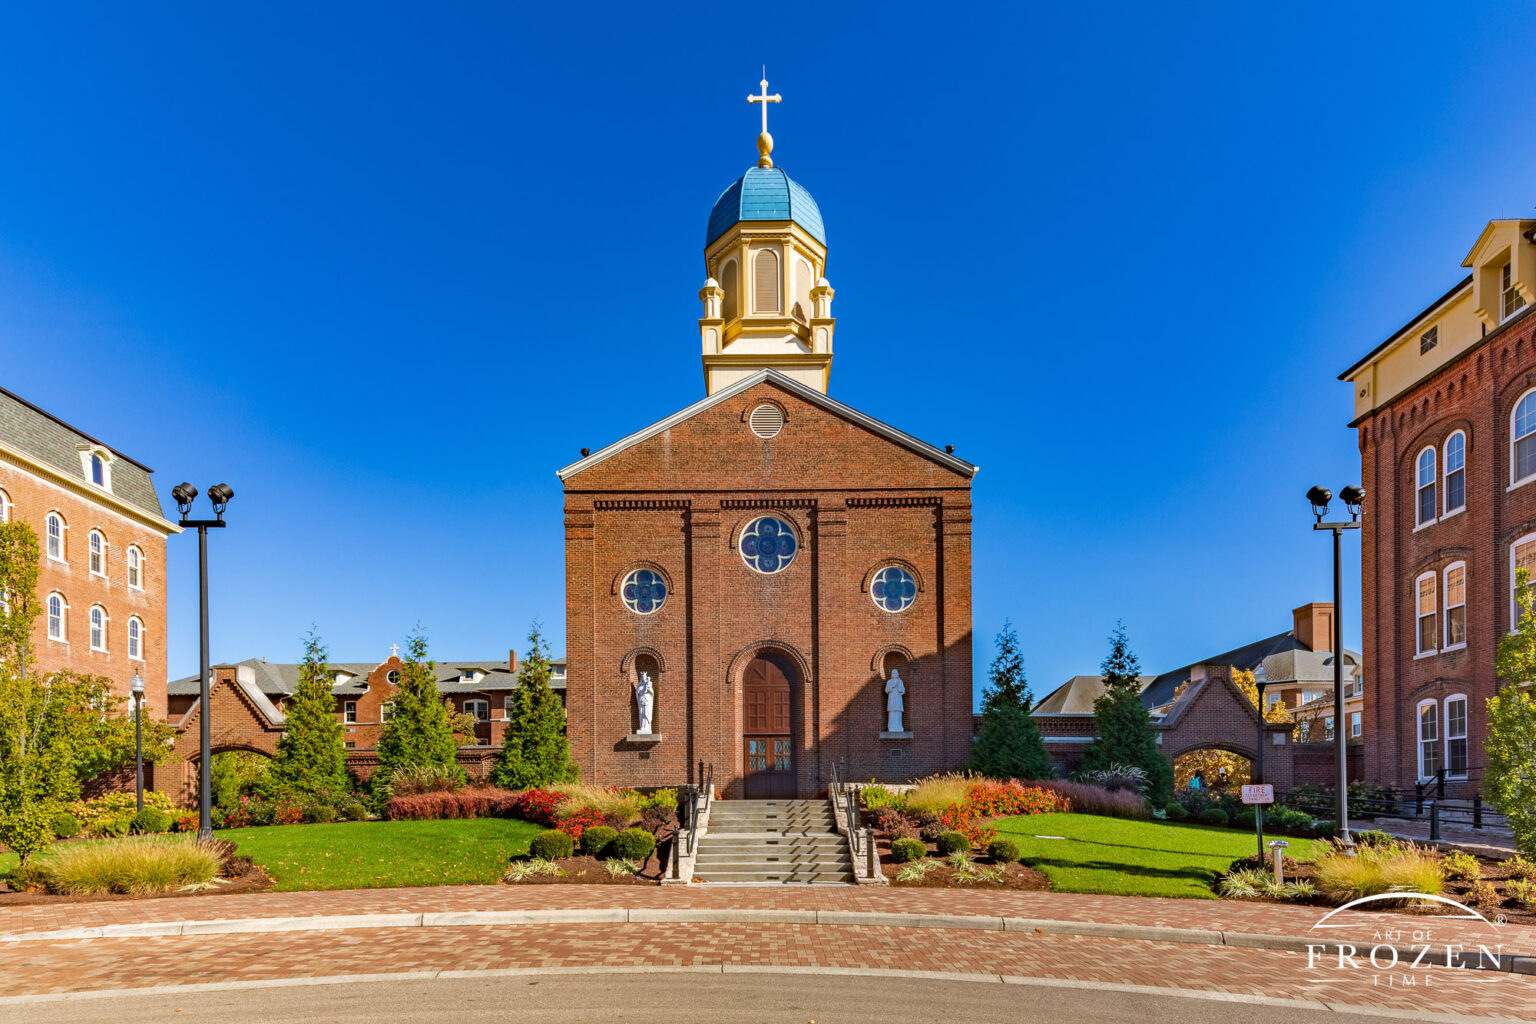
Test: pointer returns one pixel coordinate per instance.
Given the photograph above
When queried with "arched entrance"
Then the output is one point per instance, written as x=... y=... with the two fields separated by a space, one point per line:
x=768 y=727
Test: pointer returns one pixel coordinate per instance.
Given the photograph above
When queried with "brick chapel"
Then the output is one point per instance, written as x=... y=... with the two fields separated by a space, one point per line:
x=768 y=581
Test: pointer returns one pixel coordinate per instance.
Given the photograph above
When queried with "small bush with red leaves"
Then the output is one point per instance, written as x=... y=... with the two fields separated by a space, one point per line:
x=481 y=802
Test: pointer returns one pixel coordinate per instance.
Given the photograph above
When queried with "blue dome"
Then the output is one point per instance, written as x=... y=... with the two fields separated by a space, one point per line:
x=765 y=193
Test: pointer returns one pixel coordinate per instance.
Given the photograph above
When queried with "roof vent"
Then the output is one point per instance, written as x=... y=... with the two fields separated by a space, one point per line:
x=766 y=421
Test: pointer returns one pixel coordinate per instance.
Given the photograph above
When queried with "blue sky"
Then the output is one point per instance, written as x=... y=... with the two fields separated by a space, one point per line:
x=385 y=268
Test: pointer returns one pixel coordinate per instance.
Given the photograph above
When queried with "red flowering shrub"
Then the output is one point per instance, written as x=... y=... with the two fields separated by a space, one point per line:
x=960 y=819
x=579 y=821
x=481 y=802
x=288 y=814
x=537 y=806
x=186 y=821
x=993 y=799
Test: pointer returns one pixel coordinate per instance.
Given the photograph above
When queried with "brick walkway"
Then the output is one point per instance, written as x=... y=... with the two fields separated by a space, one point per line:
x=132 y=963
x=1213 y=915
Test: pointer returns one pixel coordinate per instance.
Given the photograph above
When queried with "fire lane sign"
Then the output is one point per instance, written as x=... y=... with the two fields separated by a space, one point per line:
x=1262 y=794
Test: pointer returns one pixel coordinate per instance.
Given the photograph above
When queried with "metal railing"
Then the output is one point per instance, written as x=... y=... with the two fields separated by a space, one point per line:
x=696 y=800
x=1426 y=799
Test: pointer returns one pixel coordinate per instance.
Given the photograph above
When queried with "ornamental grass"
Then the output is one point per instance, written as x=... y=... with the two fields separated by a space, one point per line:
x=1086 y=798
x=938 y=792
x=611 y=803
x=135 y=866
x=1406 y=868
x=481 y=802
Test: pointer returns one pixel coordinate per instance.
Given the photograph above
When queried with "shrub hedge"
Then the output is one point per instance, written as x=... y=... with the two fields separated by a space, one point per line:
x=634 y=844
x=952 y=842
x=150 y=821
x=905 y=850
x=1214 y=816
x=1003 y=850
x=551 y=845
x=595 y=840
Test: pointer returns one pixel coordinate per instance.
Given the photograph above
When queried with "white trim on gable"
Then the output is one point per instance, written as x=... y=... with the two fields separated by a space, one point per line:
x=811 y=395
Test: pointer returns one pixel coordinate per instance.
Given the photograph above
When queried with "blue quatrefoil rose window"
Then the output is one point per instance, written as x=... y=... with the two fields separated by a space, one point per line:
x=893 y=589
x=768 y=544
x=643 y=591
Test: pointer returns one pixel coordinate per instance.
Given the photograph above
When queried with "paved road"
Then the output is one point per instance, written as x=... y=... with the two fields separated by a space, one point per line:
x=680 y=998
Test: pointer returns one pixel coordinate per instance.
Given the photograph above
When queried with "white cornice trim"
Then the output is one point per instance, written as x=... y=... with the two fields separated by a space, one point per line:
x=58 y=478
x=794 y=387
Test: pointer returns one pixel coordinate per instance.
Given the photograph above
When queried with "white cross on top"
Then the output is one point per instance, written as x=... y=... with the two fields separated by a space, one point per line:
x=765 y=99
x=394 y=650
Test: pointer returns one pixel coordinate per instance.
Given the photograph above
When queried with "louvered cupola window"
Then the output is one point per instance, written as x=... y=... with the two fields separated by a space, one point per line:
x=730 y=284
x=765 y=281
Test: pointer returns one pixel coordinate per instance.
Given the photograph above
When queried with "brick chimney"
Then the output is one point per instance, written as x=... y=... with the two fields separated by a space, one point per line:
x=1313 y=625
x=512 y=661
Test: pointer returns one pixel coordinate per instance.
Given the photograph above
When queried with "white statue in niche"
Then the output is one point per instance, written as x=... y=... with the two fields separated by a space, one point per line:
x=645 y=701
x=894 y=688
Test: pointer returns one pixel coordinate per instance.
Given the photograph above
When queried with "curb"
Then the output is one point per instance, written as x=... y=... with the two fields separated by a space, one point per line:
x=1508 y=963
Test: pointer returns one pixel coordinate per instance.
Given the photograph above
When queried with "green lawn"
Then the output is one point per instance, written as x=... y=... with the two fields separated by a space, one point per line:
x=1131 y=858
x=382 y=854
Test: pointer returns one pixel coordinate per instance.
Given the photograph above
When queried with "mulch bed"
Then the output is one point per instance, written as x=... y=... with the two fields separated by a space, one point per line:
x=584 y=870
x=254 y=879
x=1015 y=876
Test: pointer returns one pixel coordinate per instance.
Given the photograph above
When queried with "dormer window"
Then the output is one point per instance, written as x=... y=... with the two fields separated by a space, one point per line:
x=1510 y=299
x=96 y=464
x=470 y=676
x=98 y=471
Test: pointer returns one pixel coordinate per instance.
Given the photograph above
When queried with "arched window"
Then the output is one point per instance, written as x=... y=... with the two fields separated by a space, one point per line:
x=135 y=639
x=1456 y=735
x=1455 y=472
x=1428 y=634
x=1522 y=555
x=1426 y=492
x=1429 y=739
x=1522 y=453
x=5 y=507
x=98 y=628
x=55 y=531
x=57 y=609
x=1455 y=606
x=730 y=283
x=803 y=280
x=765 y=282
x=135 y=568
x=98 y=554
x=98 y=471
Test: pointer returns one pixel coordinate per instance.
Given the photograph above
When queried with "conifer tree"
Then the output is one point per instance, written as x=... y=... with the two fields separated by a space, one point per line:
x=534 y=750
x=310 y=755
x=418 y=734
x=1008 y=744
x=1124 y=724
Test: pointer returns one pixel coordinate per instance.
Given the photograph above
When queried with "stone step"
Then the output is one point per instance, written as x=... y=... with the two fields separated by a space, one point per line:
x=783 y=878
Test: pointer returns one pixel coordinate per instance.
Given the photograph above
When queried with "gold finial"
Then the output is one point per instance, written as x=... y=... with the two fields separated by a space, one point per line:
x=765 y=141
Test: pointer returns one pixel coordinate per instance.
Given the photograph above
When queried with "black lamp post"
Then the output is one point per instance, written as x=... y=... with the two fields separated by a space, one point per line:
x=1353 y=498
x=219 y=495
x=1260 y=680
x=137 y=687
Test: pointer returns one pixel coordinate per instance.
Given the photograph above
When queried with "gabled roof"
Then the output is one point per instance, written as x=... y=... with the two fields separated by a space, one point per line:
x=795 y=388
x=1076 y=696
x=280 y=680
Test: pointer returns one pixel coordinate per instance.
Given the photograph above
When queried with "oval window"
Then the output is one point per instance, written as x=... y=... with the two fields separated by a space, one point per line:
x=643 y=591
x=893 y=589
x=768 y=544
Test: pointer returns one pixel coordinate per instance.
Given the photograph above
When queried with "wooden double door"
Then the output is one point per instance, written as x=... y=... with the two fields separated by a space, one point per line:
x=768 y=728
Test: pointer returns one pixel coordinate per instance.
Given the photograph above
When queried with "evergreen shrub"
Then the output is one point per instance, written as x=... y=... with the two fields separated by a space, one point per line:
x=950 y=841
x=634 y=844
x=150 y=821
x=595 y=840
x=551 y=845
x=1214 y=816
x=1003 y=850
x=906 y=850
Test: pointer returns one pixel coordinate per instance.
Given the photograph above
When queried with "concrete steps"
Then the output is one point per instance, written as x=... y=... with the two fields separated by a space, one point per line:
x=785 y=842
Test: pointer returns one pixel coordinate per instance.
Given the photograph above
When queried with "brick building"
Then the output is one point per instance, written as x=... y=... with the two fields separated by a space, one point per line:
x=249 y=698
x=101 y=581
x=768 y=557
x=1445 y=410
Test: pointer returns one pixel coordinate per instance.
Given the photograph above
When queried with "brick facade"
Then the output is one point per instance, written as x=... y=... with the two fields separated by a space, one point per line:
x=677 y=503
x=1476 y=394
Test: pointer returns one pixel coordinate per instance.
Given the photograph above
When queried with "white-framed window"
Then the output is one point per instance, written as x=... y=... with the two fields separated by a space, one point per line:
x=58 y=610
x=1455 y=606
x=1522 y=440
x=1427 y=631
x=392 y=677
x=1328 y=724
x=1426 y=487
x=1510 y=299
x=98 y=553
x=349 y=712
x=1456 y=735
x=481 y=709
x=1354 y=725
x=5 y=507
x=135 y=560
x=98 y=628
x=1429 y=739
x=386 y=711
x=98 y=471
x=135 y=639
x=1522 y=555
x=55 y=530
x=1455 y=472
x=506 y=707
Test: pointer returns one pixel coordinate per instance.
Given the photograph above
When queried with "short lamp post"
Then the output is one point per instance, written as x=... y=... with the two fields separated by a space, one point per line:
x=1260 y=680
x=137 y=687
x=1354 y=498
x=219 y=495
